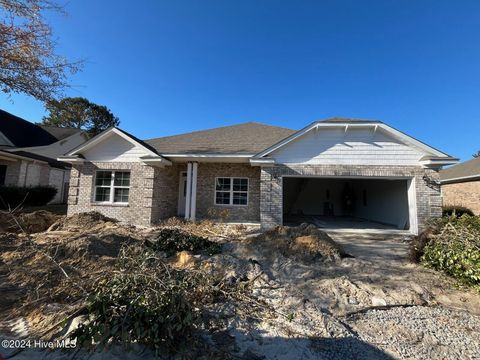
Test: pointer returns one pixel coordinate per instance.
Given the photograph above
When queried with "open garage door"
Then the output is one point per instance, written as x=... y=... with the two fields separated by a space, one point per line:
x=345 y=203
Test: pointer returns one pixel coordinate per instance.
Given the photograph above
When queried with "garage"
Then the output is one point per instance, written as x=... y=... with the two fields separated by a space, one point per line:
x=349 y=203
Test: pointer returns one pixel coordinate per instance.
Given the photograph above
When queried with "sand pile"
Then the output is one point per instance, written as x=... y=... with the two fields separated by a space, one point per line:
x=32 y=222
x=305 y=242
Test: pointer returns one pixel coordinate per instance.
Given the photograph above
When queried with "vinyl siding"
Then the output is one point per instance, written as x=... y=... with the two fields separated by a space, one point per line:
x=116 y=149
x=353 y=147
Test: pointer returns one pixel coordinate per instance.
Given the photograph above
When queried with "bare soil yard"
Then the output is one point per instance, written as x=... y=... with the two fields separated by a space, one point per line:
x=313 y=296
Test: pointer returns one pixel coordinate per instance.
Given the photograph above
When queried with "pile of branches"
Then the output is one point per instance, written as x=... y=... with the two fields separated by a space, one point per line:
x=148 y=301
x=174 y=240
x=453 y=247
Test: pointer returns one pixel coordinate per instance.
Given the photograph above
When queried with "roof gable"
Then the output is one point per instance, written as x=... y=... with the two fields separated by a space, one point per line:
x=349 y=124
x=113 y=145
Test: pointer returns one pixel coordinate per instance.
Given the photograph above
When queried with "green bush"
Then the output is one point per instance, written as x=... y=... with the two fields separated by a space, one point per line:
x=456 y=210
x=148 y=301
x=29 y=196
x=454 y=248
x=174 y=240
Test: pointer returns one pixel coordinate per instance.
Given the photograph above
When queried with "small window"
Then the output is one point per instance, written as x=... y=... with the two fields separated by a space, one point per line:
x=112 y=186
x=231 y=191
x=3 y=174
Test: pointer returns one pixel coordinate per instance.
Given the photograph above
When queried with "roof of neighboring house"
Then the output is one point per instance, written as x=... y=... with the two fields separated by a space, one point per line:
x=461 y=172
x=60 y=133
x=22 y=133
x=32 y=156
x=246 y=138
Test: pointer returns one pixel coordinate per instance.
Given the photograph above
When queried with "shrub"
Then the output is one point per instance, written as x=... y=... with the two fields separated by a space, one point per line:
x=454 y=248
x=174 y=240
x=30 y=196
x=456 y=210
x=150 y=302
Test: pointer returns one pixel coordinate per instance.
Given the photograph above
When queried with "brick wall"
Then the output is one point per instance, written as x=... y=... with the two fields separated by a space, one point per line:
x=154 y=191
x=428 y=198
x=139 y=208
x=206 y=190
x=12 y=172
x=463 y=194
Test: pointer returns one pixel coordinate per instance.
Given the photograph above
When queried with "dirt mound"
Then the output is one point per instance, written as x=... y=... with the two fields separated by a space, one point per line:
x=33 y=222
x=82 y=221
x=305 y=242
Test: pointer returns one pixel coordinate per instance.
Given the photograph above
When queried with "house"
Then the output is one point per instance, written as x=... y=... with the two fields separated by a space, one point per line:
x=28 y=153
x=461 y=185
x=337 y=173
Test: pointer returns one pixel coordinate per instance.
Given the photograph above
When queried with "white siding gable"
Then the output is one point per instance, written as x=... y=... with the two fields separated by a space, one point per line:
x=356 y=146
x=115 y=148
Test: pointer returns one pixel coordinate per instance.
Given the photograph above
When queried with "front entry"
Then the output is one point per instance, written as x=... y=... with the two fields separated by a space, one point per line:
x=182 y=193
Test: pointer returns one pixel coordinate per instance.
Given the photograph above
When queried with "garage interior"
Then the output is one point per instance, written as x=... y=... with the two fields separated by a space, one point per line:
x=341 y=203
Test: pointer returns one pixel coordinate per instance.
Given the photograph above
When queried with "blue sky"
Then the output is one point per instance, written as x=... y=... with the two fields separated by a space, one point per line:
x=166 y=67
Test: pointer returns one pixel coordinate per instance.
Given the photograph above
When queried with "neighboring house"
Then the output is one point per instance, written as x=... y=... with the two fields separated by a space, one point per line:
x=340 y=173
x=461 y=185
x=28 y=153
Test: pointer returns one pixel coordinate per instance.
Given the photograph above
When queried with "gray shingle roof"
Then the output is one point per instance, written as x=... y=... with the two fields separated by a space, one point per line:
x=246 y=138
x=468 y=168
x=60 y=132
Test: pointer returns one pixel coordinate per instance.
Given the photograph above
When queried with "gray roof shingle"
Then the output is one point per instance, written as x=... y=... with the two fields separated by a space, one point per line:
x=246 y=138
x=60 y=132
x=470 y=168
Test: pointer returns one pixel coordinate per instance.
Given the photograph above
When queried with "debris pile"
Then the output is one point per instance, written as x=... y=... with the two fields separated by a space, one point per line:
x=305 y=243
x=31 y=222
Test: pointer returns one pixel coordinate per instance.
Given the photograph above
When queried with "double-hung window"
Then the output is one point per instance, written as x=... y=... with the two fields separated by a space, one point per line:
x=112 y=186
x=231 y=191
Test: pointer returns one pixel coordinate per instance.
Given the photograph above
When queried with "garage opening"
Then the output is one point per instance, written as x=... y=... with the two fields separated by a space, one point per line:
x=341 y=203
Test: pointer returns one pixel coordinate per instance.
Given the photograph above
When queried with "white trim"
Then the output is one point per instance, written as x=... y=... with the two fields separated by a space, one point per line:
x=219 y=158
x=231 y=191
x=112 y=187
x=189 y=191
x=461 y=178
x=212 y=155
x=262 y=162
x=33 y=148
x=75 y=159
x=155 y=161
x=193 y=201
x=375 y=125
x=412 y=205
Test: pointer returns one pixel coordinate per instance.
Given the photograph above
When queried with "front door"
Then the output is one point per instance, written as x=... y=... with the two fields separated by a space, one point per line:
x=182 y=193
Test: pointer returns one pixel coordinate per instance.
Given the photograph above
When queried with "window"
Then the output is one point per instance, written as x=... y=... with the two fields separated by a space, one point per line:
x=3 y=174
x=231 y=191
x=112 y=186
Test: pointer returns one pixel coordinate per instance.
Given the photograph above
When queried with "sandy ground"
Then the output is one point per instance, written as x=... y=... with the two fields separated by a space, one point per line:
x=373 y=305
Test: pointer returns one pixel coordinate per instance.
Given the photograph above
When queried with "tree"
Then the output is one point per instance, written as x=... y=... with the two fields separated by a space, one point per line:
x=79 y=113
x=28 y=63
x=477 y=154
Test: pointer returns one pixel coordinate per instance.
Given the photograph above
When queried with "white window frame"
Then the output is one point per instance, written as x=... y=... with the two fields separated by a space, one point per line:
x=231 y=191
x=112 y=187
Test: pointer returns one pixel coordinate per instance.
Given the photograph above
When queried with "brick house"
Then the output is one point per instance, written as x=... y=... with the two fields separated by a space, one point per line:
x=461 y=185
x=28 y=154
x=336 y=173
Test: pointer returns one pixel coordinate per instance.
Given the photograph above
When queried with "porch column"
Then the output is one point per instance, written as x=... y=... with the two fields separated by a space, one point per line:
x=193 y=201
x=189 y=191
